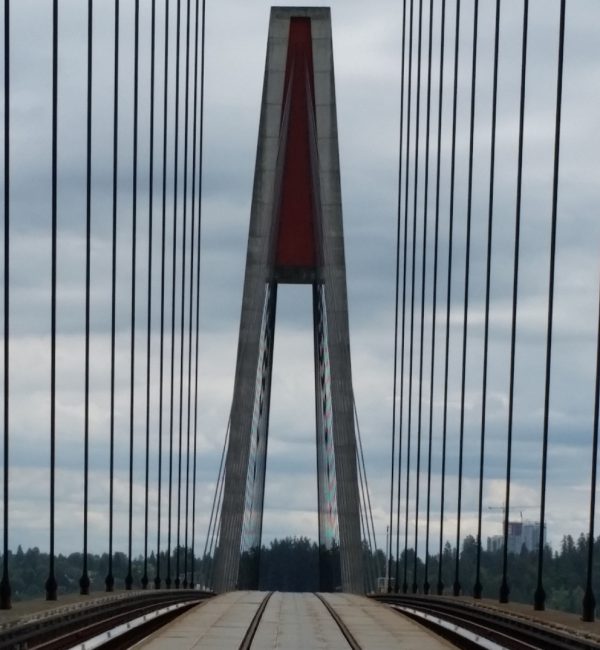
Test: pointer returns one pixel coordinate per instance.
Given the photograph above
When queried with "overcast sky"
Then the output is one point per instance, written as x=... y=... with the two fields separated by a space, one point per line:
x=367 y=54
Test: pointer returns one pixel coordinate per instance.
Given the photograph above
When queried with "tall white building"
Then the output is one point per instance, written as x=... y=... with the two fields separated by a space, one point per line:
x=520 y=533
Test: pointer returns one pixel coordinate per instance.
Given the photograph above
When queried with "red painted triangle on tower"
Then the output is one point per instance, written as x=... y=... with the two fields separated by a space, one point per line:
x=296 y=238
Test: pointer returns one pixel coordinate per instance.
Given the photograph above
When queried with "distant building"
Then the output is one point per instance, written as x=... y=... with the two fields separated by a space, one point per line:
x=520 y=534
x=494 y=543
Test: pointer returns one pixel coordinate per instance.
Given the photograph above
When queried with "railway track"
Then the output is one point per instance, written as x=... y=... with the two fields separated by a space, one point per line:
x=352 y=642
x=248 y=639
x=119 y=623
x=246 y=643
x=109 y=624
x=469 y=626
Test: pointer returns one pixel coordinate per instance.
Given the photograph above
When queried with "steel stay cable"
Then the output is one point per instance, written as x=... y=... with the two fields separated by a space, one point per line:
x=394 y=390
x=217 y=490
x=157 y=578
x=220 y=478
x=129 y=577
x=183 y=255
x=412 y=297
x=440 y=585
x=504 y=588
x=174 y=280
x=362 y=460
x=540 y=594
x=51 y=584
x=426 y=585
x=457 y=586
x=200 y=151
x=365 y=503
x=110 y=580
x=359 y=454
x=268 y=375
x=478 y=588
x=5 y=588
x=191 y=312
x=149 y=314
x=216 y=531
x=324 y=317
x=423 y=278
x=368 y=578
x=84 y=580
x=397 y=576
x=330 y=298
x=589 y=601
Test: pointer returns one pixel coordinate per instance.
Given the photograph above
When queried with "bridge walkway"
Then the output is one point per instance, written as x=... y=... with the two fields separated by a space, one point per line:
x=32 y=611
x=292 y=621
x=559 y=620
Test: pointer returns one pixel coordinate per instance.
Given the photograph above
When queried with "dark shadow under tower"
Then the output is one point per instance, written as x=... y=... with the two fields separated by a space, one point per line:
x=296 y=236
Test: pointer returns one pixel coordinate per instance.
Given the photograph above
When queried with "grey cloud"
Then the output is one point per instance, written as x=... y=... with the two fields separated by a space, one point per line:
x=367 y=51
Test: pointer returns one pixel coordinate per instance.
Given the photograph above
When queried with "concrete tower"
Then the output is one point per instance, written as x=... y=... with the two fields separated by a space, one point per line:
x=296 y=236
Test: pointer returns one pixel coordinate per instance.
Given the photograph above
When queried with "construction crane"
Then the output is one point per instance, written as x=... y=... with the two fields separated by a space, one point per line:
x=502 y=509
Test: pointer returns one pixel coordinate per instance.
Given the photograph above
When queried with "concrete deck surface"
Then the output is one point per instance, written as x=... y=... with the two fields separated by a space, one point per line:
x=291 y=621
x=218 y=624
x=376 y=627
x=561 y=621
x=33 y=610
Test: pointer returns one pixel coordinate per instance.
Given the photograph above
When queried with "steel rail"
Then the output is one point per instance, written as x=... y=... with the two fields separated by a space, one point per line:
x=112 y=628
x=123 y=635
x=352 y=642
x=453 y=629
x=246 y=643
x=69 y=625
x=508 y=631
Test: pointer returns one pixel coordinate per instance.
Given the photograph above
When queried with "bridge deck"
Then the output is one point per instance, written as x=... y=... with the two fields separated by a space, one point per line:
x=563 y=621
x=292 y=621
x=32 y=610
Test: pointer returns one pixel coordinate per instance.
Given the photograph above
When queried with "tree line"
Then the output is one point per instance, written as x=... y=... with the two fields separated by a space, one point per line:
x=293 y=564
x=564 y=574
